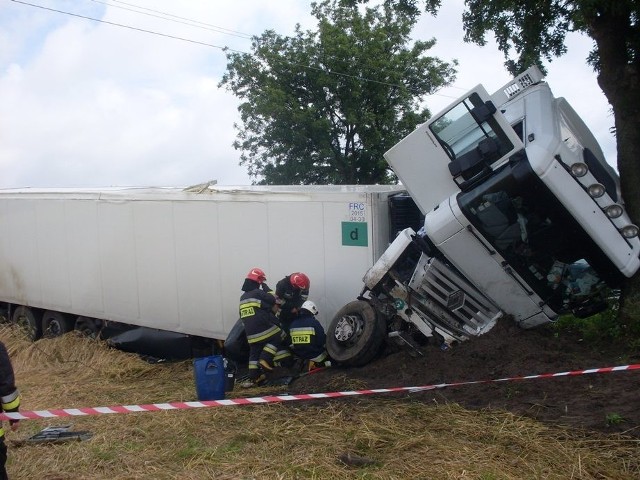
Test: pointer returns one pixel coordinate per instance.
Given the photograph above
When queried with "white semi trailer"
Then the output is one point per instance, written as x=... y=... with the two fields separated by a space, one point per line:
x=523 y=216
x=173 y=260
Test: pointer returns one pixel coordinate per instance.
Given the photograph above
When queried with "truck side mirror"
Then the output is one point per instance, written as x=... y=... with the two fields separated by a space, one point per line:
x=483 y=112
x=475 y=161
x=488 y=149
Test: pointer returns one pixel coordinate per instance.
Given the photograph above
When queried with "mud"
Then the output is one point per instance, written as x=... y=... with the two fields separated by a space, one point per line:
x=605 y=402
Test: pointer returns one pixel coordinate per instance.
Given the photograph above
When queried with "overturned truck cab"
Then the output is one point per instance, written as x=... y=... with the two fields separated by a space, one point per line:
x=523 y=217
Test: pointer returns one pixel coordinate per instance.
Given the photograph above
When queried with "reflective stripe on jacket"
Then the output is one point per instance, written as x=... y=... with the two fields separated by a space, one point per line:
x=9 y=395
x=307 y=336
x=260 y=324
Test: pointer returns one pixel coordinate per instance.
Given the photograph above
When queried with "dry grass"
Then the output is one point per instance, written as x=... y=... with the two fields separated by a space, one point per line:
x=383 y=437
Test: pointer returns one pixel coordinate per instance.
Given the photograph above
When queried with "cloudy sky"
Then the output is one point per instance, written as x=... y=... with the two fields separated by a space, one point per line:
x=88 y=104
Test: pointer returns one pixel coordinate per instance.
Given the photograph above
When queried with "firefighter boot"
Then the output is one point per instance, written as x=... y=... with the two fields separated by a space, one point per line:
x=264 y=364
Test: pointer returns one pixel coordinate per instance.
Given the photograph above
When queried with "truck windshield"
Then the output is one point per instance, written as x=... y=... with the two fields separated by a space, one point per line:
x=459 y=131
x=539 y=239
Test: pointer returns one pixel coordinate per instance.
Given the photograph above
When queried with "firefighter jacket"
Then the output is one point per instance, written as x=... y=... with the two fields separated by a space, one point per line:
x=9 y=395
x=291 y=298
x=260 y=324
x=307 y=337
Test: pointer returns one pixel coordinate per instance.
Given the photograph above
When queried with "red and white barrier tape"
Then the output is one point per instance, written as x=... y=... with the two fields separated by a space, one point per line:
x=154 y=407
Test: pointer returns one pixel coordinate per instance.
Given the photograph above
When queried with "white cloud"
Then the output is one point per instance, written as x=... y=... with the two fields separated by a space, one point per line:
x=84 y=103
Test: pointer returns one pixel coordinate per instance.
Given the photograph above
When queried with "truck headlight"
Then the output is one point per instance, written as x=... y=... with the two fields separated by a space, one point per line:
x=596 y=190
x=579 y=169
x=613 y=211
x=629 y=231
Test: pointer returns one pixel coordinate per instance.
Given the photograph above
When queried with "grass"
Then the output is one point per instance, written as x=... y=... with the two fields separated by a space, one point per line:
x=377 y=437
x=614 y=419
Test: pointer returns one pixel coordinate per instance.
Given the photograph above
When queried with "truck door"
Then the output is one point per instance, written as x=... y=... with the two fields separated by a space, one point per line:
x=469 y=139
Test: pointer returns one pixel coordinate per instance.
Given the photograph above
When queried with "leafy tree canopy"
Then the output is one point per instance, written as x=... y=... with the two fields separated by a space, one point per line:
x=533 y=30
x=323 y=106
x=530 y=31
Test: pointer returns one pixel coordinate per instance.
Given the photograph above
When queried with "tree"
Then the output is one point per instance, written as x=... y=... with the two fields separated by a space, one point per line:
x=323 y=106
x=528 y=31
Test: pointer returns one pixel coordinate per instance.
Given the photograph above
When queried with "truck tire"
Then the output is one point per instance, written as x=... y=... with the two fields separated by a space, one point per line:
x=87 y=326
x=55 y=324
x=29 y=320
x=356 y=334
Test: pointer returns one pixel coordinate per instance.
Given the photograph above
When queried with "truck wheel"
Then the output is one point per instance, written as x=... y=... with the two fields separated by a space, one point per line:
x=55 y=324
x=356 y=334
x=87 y=326
x=29 y=320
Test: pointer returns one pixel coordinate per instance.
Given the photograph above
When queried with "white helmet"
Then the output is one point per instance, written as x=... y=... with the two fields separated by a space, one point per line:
x=310 y=307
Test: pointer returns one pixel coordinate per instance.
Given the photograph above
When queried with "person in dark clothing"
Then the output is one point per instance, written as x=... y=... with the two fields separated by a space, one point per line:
x=265 y=337
x=292 y=291
x=236 y=347
x=256 y=278
x=9 y=401
x=308 y=337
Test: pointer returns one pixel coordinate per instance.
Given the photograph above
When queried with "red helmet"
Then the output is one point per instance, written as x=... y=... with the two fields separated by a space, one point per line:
x=300 y=280
x=257 y=275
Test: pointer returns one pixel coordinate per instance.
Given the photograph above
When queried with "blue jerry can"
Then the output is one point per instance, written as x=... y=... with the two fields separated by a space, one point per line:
x=210 y=377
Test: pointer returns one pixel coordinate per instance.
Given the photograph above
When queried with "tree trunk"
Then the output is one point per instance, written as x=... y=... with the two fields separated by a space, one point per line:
x=619 y=80
x=628 y=141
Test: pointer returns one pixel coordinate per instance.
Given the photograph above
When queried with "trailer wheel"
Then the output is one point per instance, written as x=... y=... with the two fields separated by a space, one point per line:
x=29 y=320
x=356 y=334
x=55 y=324
x=87 y=326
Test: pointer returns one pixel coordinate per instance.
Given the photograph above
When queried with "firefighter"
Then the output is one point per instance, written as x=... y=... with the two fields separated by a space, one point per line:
x=258 y=310
x=256 y=278
x=308 y=337
x=292 y=291
x=10 y=402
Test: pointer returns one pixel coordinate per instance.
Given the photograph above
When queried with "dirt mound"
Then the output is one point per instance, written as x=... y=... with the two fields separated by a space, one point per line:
x=606 y=402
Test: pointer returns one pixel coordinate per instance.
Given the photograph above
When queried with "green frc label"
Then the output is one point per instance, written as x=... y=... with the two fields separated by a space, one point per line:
x=354 y=234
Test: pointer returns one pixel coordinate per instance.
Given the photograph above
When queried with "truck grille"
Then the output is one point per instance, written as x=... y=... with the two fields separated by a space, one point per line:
x=449 y=301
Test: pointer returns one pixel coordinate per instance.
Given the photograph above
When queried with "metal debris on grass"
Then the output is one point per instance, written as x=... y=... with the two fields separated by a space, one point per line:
x=59 y=434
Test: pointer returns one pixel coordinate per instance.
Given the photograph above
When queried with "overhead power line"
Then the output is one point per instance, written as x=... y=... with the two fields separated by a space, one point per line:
x=223 y=48
x=126 y=26
x=174 y=18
